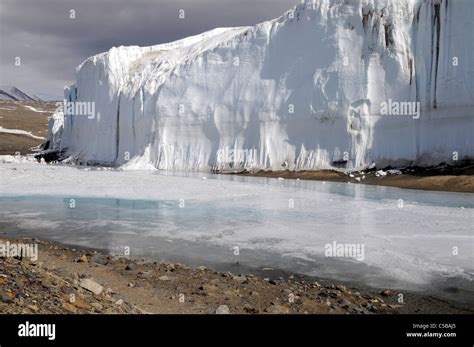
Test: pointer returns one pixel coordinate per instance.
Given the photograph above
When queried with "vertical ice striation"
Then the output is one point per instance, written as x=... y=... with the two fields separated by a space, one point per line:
x=303 y=91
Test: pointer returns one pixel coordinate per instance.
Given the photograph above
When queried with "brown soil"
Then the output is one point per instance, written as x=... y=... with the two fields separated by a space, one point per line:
x=14 y=115
x=463 y=182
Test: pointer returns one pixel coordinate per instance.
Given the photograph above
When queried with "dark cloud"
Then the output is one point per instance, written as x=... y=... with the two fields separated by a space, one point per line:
x=51 y=45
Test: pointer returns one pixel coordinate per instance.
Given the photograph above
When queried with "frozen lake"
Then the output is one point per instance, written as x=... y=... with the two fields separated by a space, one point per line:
x=411 y=239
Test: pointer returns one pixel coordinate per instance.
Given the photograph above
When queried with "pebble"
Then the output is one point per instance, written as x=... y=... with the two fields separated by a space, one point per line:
x=97 y=306
x=182 y=266
x=91 y=286
x=82 y=259
x=201 y=291
x=345 y=304
x=250 y=309
x=75 y=279
x=372 y=308
x=33 y=308
x=69 y=307
x=97 y=259
x=277 y=309
x=144 y=274
x=81 y=304
x=394 y=306
x=223 y=309
x=6 y=296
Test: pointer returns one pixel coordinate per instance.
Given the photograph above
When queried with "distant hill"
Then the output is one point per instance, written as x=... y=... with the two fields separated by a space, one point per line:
x=12 y=93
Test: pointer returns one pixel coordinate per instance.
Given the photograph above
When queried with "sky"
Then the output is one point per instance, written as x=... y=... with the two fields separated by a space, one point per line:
x=52 y=37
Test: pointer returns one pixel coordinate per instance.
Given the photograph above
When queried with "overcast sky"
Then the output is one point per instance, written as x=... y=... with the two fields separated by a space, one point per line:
x=50 y=44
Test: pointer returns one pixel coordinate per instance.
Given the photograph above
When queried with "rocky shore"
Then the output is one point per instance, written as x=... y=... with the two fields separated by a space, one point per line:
x=66 y=280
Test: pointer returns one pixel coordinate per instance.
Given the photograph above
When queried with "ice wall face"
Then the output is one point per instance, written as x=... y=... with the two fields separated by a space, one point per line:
x=329 y=84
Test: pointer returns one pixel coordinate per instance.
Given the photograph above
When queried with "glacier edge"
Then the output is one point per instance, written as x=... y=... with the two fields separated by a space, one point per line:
x=301 y=92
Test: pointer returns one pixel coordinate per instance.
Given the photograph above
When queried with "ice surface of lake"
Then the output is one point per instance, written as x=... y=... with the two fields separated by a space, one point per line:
x=408 y=235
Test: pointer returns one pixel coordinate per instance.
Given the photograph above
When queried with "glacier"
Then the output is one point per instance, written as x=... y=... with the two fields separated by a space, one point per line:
x=300 y=92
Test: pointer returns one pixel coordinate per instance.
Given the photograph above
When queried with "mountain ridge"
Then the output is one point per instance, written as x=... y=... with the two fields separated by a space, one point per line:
x=12 y=93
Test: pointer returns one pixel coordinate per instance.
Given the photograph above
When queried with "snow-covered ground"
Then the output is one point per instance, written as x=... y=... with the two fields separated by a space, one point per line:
x=409 y=237
x=308 y=90
x=20 y=132
x=31 y=108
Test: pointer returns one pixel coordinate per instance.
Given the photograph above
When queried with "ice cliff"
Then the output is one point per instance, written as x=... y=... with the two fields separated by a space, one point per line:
x=303 y=91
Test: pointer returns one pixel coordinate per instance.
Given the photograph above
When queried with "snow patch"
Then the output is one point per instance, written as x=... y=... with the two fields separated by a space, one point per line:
x=20 y=132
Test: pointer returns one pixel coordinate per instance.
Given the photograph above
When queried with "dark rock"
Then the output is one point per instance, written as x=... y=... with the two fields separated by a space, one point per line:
x=6 y=296
x=200 y=293
x=98 y=259
x=345 y=304
x=372 y=308
x=250 y=309
x=144 y=274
